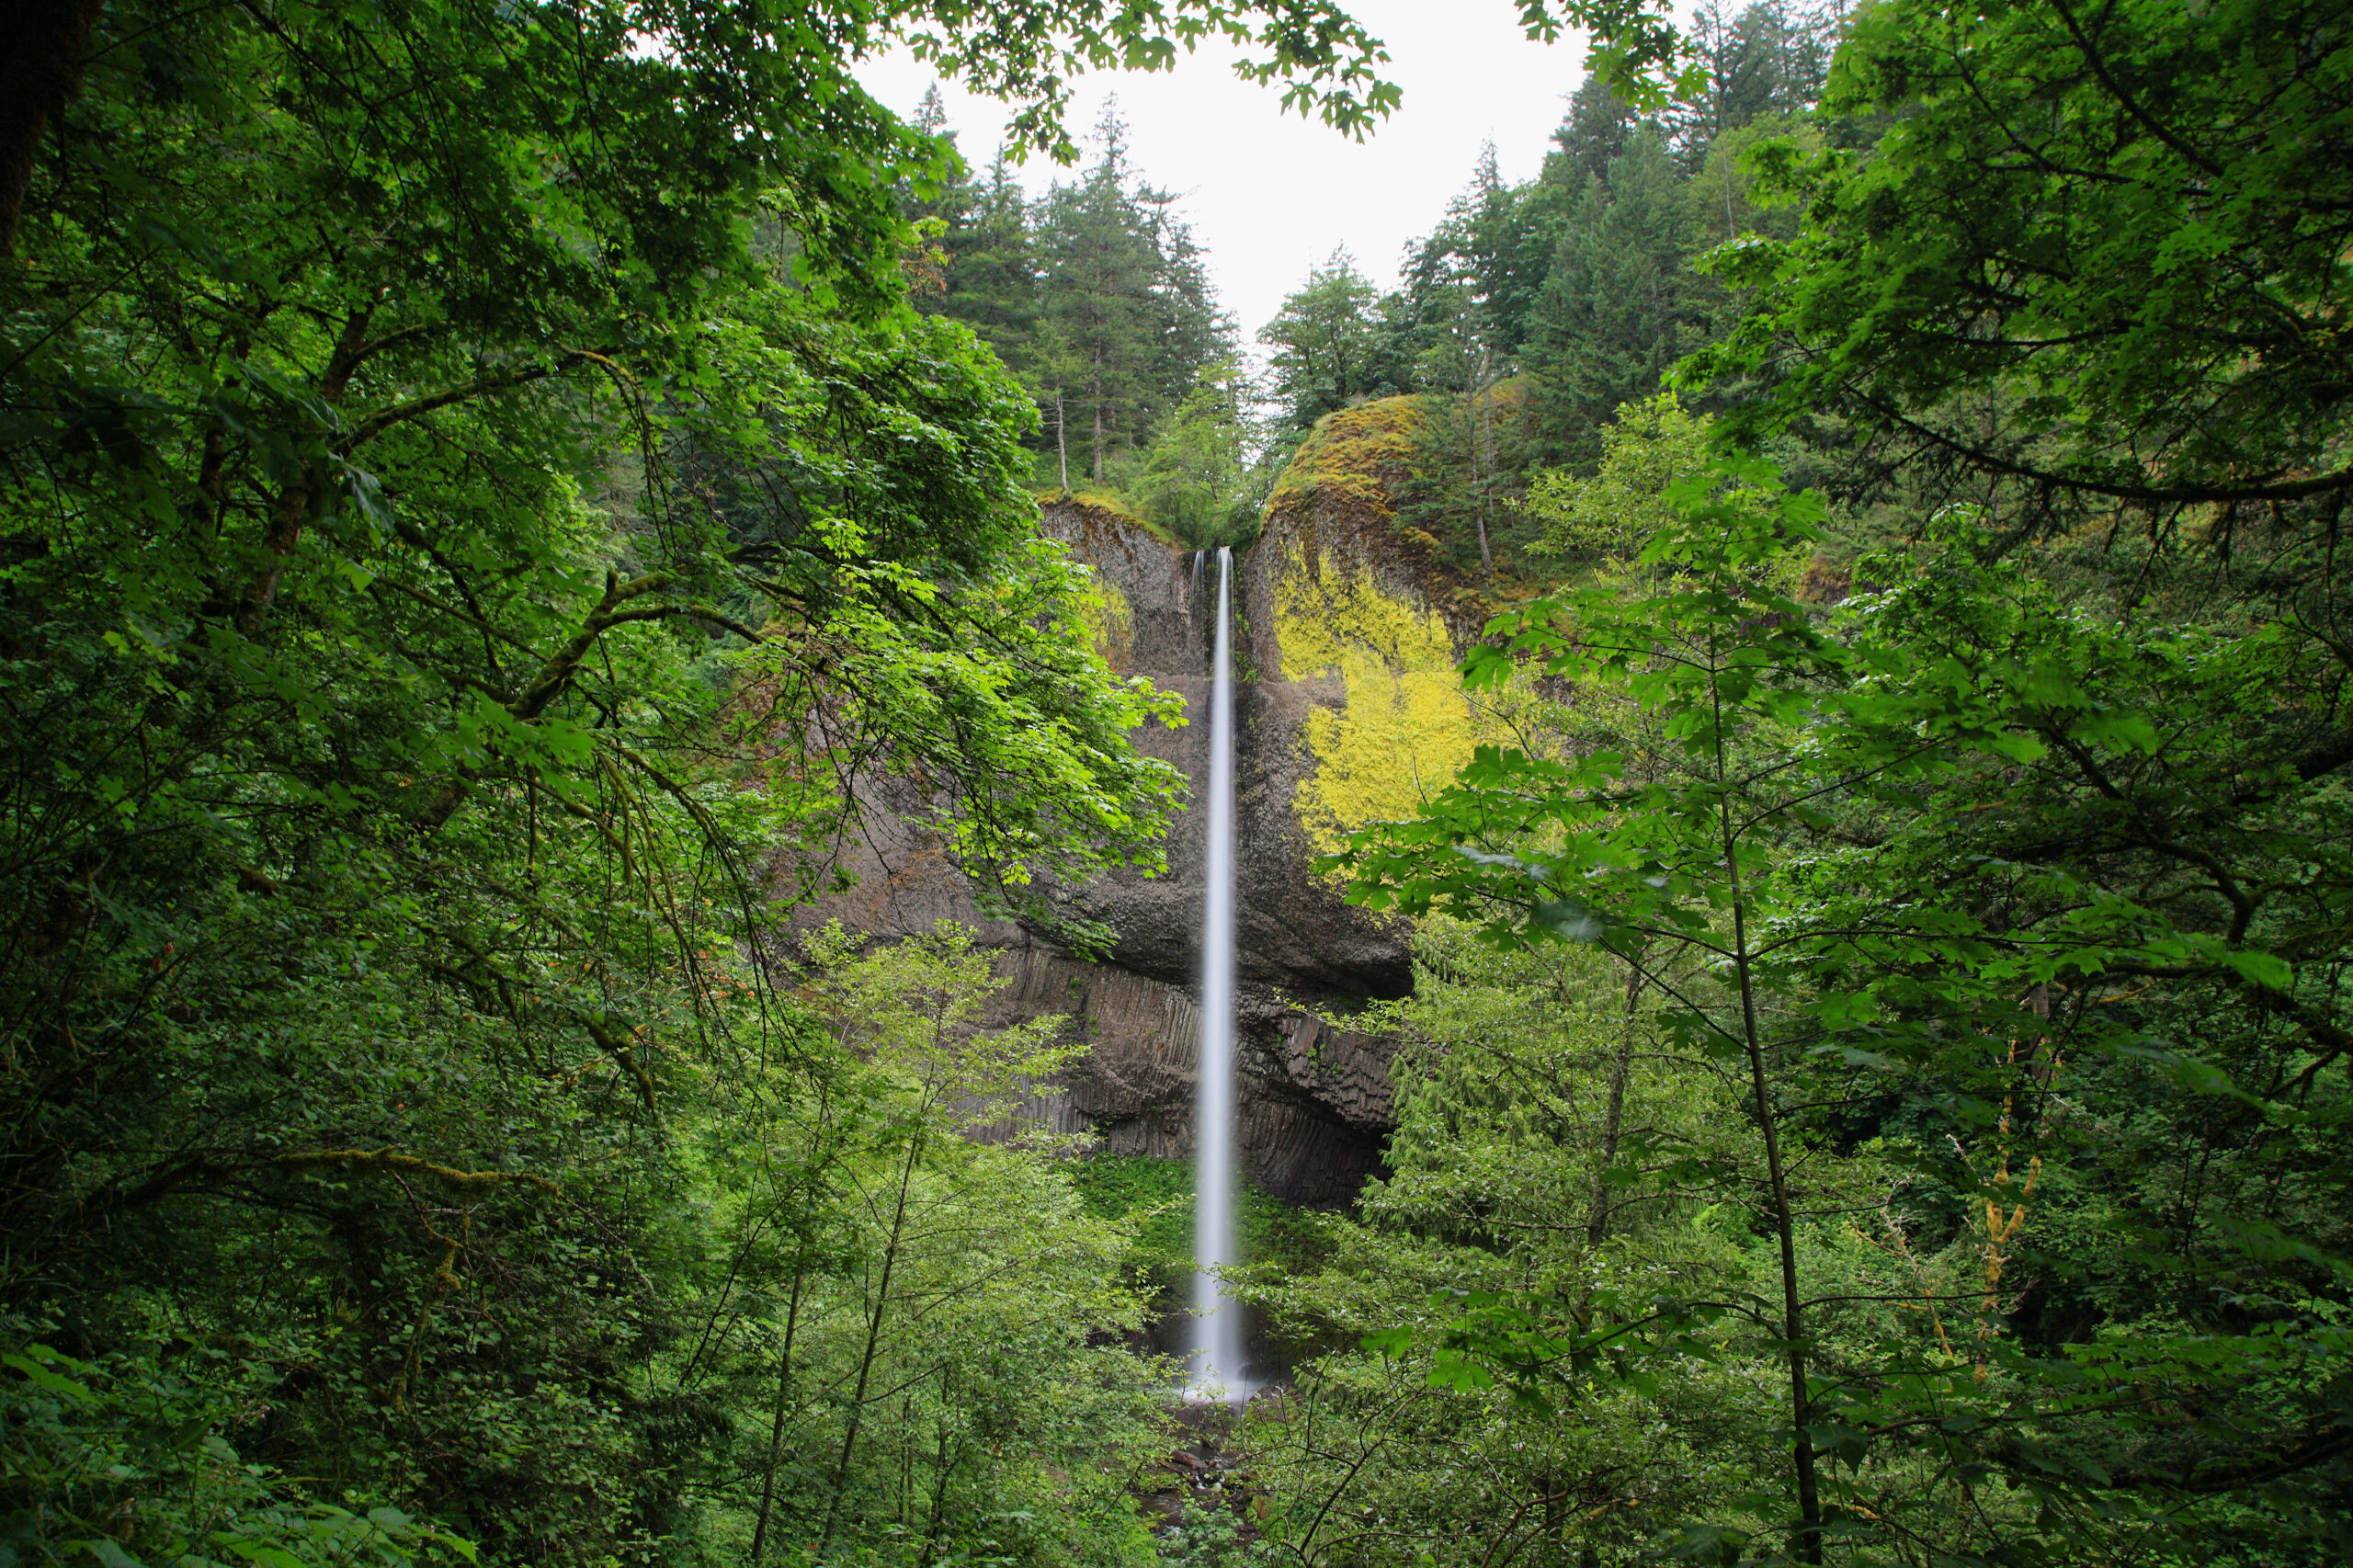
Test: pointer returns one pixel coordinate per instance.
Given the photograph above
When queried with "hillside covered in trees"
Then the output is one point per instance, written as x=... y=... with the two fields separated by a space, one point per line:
x=1529 y=314
x=494 y=498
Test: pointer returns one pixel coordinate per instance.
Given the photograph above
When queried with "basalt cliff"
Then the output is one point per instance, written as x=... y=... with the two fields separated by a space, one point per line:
x=1347 y=708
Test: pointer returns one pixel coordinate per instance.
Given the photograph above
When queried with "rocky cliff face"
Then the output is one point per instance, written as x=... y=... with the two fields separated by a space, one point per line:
x=1347 y=708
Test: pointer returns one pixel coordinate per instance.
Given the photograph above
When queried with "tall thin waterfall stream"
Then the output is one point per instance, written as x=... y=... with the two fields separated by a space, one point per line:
x=1214 y=1369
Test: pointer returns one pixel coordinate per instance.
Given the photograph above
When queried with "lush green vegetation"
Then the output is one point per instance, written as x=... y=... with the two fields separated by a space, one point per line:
x=1530 y=312
x=489 y=496
x=1882 y=1088
x=1156 y=1196
x=1095 y=296
x=480 y=516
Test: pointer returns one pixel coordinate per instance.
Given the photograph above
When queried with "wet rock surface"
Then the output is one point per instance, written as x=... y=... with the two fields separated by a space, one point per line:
x=1204 y=1486
x=1293 y=930
x=1313 y=1092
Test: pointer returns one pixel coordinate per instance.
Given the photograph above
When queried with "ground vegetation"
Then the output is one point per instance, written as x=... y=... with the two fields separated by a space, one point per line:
x=1883 y=1011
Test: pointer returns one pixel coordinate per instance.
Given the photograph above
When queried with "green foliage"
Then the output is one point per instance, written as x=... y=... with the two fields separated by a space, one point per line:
x=1211 y=1538
x=1461 y=501
x=1776 y=856
x=987 y=274
x=1611 y=314
x=1156 y=1196
x=1096 y=297
x=1577 y=284
x=1649 y=449
x=1986 y=934
x=1974 y=1189
x=1543 y=1156
x=453 y=613
x=928 y=1326
x=1327 y=344
x=124 y=1463
x=479 y=521
x=1726 y=196
x=2181 y=188
x=1200 y=481
x=1765 y=61
x=1589 y=136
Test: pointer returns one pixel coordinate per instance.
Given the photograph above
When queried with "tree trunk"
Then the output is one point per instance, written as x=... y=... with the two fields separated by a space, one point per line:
x=873 y=1339
x=1481 y=436
x=1061 y=441
x=1095 y=397
x=1596 y=1229
x=42 y=44
x=943 y=1466
x=1809 y=1541
x=775 y=1429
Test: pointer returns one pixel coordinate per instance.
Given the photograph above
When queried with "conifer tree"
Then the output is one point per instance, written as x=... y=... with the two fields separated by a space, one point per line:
x=935 y=208
x=1771 y=58
x=1195 y=339
x=1122 y=284
x=992 y=279
x=1487 y=243
x=1592 y=134
x=1326 y=343
x=1606 y=324
x=1462 y=475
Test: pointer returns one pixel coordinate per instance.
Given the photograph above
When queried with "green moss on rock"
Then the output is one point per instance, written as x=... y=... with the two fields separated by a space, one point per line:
x=1356 y=455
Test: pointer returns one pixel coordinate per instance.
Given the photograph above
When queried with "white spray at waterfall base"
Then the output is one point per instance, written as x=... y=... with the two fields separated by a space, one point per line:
x=1214 y=1371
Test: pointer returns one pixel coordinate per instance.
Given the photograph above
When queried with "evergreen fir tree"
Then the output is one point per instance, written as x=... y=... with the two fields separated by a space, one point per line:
x=1325 y=343
x=1487 y=243
x=1592 y=134
x=936 y=211
x=1193 y=337
x=1771 y=58
x=1122 y=284
x=1608 y=322
x=992 y=280
x=1466 y=459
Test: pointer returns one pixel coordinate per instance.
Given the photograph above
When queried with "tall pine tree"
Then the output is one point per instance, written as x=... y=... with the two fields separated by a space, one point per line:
x=992 y=280
x=1592 y=134
x=1770 y=57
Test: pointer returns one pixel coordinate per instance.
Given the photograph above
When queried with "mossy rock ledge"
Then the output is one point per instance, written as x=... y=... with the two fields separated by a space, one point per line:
x=1347 y=708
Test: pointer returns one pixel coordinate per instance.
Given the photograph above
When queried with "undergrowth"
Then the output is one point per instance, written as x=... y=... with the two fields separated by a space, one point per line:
x=1118 y=1186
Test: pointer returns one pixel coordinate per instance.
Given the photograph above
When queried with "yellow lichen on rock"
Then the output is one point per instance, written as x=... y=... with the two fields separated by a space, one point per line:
x=1407 y=724
x=1110 y=621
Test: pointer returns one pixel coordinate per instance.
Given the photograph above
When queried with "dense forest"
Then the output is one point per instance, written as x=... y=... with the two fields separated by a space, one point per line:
x=491 y=493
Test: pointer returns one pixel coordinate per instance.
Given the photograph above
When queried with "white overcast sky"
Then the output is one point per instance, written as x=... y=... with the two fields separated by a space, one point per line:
x=1270 y=195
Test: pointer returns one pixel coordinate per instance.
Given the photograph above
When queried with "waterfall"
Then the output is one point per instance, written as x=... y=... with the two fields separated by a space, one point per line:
x=1217 y=1322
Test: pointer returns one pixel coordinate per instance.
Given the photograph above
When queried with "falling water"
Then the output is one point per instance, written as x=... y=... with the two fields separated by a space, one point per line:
x=1216 y=1362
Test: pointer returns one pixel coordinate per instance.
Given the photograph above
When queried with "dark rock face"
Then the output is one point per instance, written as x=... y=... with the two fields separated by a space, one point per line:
x=1314 y=1094
x=1314 y=1098
x=1291 y=930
